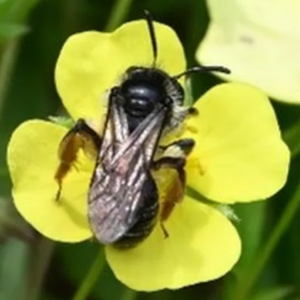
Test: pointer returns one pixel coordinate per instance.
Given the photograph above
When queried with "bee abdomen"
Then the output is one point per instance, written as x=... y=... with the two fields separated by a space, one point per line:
x=145 y=217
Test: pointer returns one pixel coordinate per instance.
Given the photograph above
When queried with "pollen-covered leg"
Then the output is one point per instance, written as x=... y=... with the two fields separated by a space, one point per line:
x=175 y=192
x=174 y=157
x=176 y=163
x=81 y=136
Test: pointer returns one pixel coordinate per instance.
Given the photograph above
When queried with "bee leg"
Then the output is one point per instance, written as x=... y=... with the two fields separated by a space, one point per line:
x=183 y=145
x=81 y=136
x=181 y=149
x=164 y=230
x=174 y=157
x=176 y=163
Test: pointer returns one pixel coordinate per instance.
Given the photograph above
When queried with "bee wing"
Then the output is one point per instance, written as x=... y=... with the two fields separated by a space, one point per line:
x=116 y=130
x=116 y=189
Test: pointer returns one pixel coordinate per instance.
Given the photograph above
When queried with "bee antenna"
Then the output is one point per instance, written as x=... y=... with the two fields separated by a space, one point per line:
x=203 y=69
x=150 y=25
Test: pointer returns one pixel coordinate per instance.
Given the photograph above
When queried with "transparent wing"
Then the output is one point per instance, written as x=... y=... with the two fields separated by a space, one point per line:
x=116 y=189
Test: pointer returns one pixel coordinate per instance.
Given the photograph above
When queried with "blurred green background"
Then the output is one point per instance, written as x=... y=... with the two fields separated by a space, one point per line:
x=32 y=268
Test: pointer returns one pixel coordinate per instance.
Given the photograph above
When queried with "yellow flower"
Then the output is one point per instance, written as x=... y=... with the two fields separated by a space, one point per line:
x=239 y=156
x=259 y=41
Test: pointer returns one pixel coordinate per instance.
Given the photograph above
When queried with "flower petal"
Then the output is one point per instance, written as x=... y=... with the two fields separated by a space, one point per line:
x=91 y=63
x=202 y=245
x=239 y=155
x=32 y=160
x=257 y=40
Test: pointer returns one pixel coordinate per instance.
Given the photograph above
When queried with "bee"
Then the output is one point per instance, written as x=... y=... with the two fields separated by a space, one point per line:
x=123 y=198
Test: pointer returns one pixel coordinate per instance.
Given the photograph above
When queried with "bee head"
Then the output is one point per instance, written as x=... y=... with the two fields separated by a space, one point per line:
x=146 y=88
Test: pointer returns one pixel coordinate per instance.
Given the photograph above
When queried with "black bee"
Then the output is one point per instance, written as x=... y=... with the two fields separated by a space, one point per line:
x=123 y=200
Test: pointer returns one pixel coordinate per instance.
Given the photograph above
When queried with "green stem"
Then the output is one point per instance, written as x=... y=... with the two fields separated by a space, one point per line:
x=7 y=63
x=91 y=278
x=41 y=256
x=250 y=279
x=119 y=13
